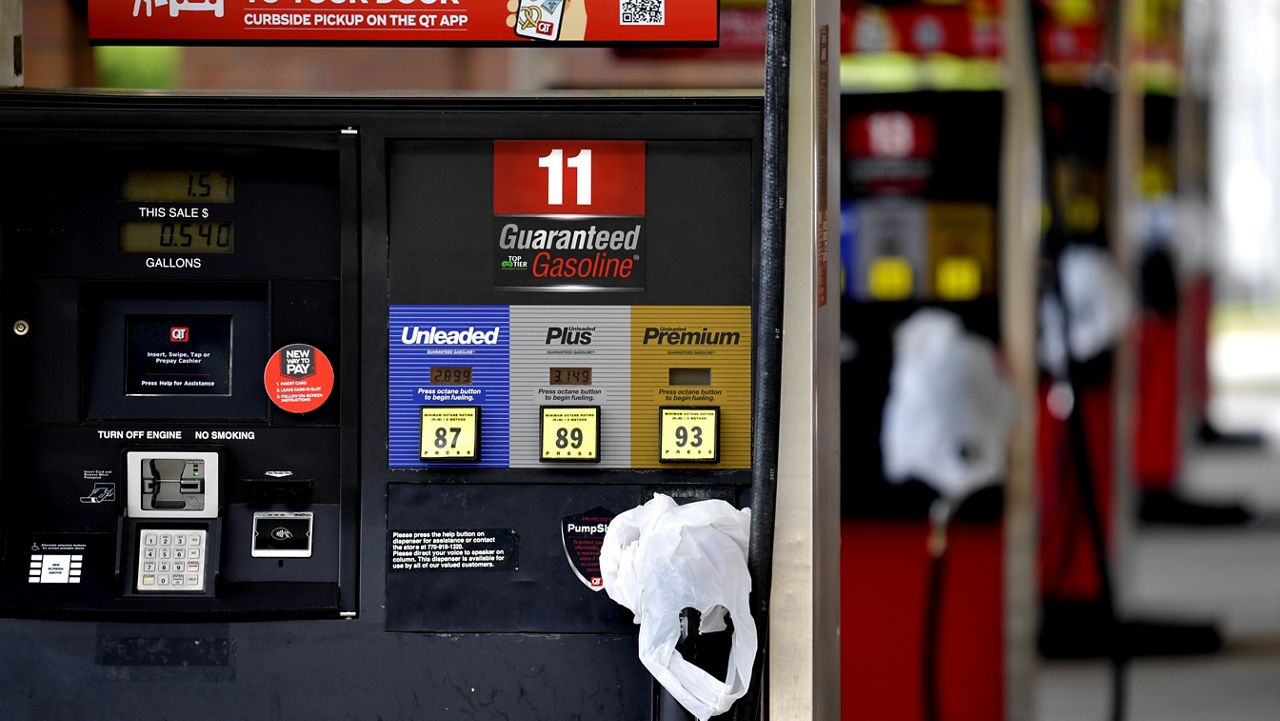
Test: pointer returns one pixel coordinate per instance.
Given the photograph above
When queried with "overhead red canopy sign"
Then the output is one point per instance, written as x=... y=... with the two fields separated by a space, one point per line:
x=431 y=22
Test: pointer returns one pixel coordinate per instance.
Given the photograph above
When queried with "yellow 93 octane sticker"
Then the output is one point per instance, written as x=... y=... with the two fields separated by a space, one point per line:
x=689 y=435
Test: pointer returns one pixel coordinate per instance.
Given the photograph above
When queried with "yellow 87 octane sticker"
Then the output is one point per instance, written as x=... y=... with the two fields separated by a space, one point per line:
x=450 y=434
x=570 y=434
x=689 y=434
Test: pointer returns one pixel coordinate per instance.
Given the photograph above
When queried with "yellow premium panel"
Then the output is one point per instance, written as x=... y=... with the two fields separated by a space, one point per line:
x=694 y=356
x=961 y=251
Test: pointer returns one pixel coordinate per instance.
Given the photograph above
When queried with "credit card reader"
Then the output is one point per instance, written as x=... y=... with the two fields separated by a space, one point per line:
x=172 y=520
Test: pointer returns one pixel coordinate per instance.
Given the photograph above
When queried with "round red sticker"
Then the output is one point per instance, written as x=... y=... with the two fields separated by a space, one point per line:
x=298 y=378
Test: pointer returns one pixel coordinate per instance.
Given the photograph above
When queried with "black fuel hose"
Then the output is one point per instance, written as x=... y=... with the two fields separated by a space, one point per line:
x=1057 y=240
x=767 y=331
x=931 y=638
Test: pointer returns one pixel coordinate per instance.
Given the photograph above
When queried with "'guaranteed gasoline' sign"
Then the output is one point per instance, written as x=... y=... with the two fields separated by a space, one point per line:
x=429 y=22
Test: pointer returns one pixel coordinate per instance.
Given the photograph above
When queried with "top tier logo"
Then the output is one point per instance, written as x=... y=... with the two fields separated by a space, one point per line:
x=567 y=177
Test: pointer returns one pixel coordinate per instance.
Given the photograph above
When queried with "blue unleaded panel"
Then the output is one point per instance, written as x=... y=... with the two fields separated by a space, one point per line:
x=423 y=337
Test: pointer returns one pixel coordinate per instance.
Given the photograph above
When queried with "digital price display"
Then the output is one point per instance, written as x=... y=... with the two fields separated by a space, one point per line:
x=165 y=236
x=178 y=186
x=689 y=376
x=570 y=434
x=689 y=435
x=450 y=433
x=570 y=377
x=450 y=376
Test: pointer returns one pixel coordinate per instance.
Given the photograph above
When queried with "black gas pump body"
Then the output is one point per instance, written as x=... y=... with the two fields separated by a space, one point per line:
x=400 y=584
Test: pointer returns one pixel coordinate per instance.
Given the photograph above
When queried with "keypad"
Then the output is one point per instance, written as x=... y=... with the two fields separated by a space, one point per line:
x=172 y=560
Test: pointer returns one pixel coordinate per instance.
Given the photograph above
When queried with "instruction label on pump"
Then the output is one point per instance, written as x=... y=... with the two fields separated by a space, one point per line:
x=570 y=434
x=298 y=378
x=484 y=549
x=450 y=434
x=689 y=434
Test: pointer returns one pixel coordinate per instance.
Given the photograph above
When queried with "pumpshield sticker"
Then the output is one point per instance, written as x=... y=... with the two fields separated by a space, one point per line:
x=583 y=535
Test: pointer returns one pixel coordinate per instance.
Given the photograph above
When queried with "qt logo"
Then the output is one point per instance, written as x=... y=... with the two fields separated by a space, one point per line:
x=179 y=334
x=545 y=28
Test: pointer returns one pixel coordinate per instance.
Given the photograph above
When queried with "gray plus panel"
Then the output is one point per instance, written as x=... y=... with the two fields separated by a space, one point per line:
x=571 y=337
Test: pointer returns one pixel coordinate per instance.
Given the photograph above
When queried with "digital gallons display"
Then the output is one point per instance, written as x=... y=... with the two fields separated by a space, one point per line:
x=157 y=236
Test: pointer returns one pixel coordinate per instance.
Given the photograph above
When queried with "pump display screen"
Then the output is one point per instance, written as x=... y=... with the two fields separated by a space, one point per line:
x=689 y=376
x=178 y=355
x=570 y=377
x=450 y=376
x=157 y=236
x=178 y=186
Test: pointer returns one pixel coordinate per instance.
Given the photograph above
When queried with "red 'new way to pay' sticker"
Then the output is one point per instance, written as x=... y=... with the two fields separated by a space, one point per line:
x=298 y=378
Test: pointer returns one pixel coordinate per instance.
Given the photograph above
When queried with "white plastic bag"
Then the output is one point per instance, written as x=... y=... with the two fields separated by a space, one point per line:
x=949 y=411
x=661 y=558
x=1097 y=295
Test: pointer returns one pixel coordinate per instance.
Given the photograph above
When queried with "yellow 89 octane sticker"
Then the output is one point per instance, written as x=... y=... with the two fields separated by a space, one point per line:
x=570 y=434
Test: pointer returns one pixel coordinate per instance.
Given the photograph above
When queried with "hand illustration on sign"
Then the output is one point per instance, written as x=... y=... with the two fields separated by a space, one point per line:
x=101 y=493
x=537 y=19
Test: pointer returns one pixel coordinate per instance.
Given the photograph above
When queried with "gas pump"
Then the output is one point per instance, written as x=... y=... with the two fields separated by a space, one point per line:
x=307 y=396
x=148 y=278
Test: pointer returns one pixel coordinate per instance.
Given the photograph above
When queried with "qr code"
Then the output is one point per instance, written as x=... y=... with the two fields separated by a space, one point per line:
x=643 y=12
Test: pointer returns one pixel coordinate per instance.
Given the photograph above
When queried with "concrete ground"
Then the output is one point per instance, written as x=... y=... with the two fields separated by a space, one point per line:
x=1231 y=576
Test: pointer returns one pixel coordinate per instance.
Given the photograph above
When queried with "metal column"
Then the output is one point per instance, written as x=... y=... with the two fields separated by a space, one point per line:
x=804 y=659
x=1020 y=208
